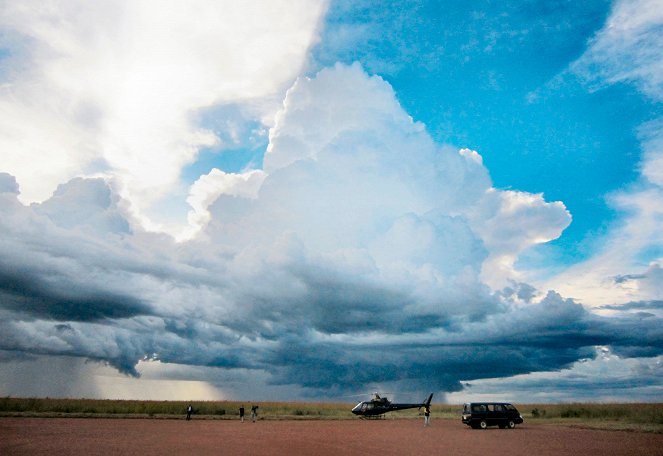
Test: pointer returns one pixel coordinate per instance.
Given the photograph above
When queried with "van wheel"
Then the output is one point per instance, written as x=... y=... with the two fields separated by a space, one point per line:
x=511 y=424
x=483 y=424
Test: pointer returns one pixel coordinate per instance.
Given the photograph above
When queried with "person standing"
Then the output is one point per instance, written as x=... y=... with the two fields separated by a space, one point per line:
x=241 y=413
x=427 y=415
x=189 y=411
x=254 y=413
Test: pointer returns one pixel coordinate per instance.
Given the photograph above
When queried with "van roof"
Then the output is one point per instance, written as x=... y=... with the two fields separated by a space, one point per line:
x=487 y=402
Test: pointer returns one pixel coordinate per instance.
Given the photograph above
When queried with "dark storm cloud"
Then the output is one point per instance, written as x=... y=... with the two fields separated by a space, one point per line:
x=628 y=277
x=342 y=305
x=635 y=305
x=335 y=334
x=339 y=336
x=543 y=337
x=59 y=298
x=546 y=337
x=307 y=322
x=53 y=263
x=634 y=336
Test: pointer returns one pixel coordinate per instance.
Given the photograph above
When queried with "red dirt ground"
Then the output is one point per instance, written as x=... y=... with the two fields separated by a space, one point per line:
x=78 y=436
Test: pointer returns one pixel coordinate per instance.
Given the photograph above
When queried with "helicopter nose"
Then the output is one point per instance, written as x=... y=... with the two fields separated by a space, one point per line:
x=356 y=409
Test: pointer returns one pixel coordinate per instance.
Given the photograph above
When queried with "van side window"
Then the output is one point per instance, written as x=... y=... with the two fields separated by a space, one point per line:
x=478 y=407
x=510 y=407
x=499 y=408
x=490 y=407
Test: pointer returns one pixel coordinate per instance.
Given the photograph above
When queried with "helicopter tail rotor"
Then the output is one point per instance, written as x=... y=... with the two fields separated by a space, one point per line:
x=426 y=403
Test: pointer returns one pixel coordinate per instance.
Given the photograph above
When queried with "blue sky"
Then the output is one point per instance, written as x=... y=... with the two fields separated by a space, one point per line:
x=495 y=78
x=276 y=200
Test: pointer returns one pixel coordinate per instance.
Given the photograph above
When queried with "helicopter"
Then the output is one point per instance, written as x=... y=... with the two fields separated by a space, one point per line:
x=381 y=405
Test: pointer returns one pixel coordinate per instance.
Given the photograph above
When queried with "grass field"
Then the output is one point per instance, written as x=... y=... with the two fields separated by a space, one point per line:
x=638 y=417
x=206 y=409
x=644 y=417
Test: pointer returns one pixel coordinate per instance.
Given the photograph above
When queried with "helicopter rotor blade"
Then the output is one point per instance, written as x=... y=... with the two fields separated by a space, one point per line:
x=365 y=394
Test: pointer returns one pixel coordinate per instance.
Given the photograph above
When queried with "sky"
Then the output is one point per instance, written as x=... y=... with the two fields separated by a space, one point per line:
x=287 y=200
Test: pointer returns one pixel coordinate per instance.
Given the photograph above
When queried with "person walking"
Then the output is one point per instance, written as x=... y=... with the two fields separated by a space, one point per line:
x=241 y=413
x=427 y=415
x=254 y=413
x=189 y=411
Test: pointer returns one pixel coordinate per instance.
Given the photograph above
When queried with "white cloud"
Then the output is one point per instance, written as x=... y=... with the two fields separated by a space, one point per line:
x=210 y=187
x=626 y=49
x=348 y=169
x=631 y=248
x=515 y=221
x=651 y=135
x=115 y=87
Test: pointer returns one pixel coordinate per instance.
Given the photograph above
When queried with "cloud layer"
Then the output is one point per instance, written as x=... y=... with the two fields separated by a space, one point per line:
x=364 y=253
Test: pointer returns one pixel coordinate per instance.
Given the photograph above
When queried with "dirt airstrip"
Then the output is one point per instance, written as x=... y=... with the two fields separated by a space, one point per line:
x=72 y=436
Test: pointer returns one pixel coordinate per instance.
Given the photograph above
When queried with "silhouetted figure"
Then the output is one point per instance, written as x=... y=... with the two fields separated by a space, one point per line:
x=241 y=413
x=254 y=413
x=189 y=411
x=427 y=415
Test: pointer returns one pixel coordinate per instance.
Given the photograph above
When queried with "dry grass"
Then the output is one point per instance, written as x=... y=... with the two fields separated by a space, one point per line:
x=641 y=417
x=208 y=409
x=634 y=417
x=164 y=409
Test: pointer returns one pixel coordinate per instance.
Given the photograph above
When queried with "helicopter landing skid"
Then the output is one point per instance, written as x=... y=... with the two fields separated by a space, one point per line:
x=372 y=417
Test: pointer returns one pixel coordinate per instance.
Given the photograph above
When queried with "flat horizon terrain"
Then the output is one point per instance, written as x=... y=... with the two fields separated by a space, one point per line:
x=74 y=436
